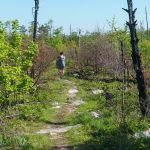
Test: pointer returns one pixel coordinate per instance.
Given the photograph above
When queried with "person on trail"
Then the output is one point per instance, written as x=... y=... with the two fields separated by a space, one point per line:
x=60 y=64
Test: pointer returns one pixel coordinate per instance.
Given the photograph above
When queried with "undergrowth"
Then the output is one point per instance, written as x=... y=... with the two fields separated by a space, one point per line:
x=115 y=128
x=20 y=123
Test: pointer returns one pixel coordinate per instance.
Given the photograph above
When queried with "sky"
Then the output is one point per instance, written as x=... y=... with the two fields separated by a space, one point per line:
x=87 y=15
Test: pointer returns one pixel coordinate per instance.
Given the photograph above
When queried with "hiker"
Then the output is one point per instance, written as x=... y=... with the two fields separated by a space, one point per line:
x=60 y=64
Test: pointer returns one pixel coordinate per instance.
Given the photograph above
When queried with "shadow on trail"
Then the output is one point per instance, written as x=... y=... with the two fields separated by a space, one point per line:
x=117 y=139
x=64 y=147
x=55 y=123
x=110 y=80
x=78 y=147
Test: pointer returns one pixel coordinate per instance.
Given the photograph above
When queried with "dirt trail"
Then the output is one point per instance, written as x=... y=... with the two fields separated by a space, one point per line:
x=59 y=127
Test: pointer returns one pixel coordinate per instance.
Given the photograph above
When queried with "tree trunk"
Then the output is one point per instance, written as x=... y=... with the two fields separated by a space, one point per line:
x=32 y=74
x=124 y=81
x=35 y=19
x=143 y=96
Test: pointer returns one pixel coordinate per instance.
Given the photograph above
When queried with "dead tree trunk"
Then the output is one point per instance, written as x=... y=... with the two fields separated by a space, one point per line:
x=35 y=19
x=124 y=80
x=143 y=96
x=32 y=74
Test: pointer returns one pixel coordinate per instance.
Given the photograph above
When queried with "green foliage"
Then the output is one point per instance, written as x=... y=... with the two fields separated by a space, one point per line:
x=24 y=142
x=108 y=131
x=30 y=112
x=87 y=72
x=57 y=40
x=144 y=47
x=13 y=142
x=15 y=62
x=45 y=31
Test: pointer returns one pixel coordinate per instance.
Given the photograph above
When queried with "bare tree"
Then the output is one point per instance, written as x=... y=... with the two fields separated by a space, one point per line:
x=143 y=96
x=32 y=74
x=124 y=80
x=35 y=19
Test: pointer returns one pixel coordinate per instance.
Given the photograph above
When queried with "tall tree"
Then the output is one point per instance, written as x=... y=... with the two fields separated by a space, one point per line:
x=35 y=19
x=143 y=96
x=35 y=32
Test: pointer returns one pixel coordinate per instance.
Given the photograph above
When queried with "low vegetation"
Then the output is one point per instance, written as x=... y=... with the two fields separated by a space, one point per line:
x=96 y=61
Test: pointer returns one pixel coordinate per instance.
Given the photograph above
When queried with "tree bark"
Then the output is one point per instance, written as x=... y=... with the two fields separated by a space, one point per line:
x=35 y=19
x=32 y=74
x=143 y=96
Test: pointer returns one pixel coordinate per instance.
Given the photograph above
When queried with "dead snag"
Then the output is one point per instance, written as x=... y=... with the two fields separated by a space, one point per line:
x=143 y=96
x=35 y=19
x=32 y=74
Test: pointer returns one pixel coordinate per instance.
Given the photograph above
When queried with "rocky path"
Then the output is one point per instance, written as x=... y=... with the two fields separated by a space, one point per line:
x=58 y=126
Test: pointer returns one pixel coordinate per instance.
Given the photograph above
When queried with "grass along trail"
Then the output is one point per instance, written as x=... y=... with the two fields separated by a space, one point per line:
x=63 y=121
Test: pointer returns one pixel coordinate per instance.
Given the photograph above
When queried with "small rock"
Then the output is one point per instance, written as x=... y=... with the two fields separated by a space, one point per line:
x=97 y=91
x=76 y=75
x=78 y=102
x=55 y=103
x=71 y=110
x=95 y=114
x=57 y=107
x=142 y=134
x=73 y=91
x=56 y=130
x=44 y=131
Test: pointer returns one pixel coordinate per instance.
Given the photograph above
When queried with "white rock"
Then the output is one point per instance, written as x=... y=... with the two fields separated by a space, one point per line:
x=44 y=131
x=95 y=114
x=71 y=110
x=142 y=134
x=57 y=107
x=73 y=91
x=55 y=103
x=56 y=130
x=76 y=75
x=97 y=91
x=77 y=102
x=65 y=129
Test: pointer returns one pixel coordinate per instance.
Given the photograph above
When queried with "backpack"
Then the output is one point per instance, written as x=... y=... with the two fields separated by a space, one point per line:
x=59 y=63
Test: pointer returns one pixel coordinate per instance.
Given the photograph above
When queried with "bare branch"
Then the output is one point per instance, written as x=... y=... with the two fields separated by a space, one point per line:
x=126 y=10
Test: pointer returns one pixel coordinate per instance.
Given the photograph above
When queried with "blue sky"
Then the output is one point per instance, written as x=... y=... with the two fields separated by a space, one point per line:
x=83 y=14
